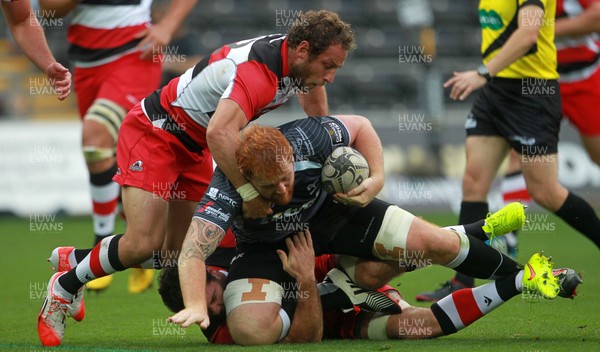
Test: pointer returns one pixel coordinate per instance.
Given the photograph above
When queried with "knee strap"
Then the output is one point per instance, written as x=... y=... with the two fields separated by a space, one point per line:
x=390 y=243
x=107 y=113
x=244 y=291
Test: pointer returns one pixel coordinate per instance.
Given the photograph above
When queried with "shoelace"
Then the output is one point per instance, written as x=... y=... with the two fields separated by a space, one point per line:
x=55 y=306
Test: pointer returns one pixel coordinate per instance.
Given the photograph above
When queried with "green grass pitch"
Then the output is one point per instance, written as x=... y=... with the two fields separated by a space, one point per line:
x=118 y=321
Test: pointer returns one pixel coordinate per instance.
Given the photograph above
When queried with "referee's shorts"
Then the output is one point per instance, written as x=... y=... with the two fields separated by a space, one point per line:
x=526 y=112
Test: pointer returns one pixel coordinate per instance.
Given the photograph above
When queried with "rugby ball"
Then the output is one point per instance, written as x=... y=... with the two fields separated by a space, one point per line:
x=344 y=170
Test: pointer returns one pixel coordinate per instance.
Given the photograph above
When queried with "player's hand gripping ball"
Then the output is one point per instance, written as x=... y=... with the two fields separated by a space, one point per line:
x=344 y=170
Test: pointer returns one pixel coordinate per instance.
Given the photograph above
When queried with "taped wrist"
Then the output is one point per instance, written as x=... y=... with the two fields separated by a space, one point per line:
x=247 y=192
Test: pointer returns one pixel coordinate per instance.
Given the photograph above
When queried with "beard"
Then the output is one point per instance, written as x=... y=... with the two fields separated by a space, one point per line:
x=298 y=74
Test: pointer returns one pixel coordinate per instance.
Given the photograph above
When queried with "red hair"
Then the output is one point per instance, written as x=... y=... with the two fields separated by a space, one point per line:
x=263 y=151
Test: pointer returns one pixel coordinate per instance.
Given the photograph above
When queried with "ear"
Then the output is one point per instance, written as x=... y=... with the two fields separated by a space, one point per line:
x=303 y=50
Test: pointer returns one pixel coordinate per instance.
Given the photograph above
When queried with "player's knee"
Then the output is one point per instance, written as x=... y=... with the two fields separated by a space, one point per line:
x=371 y=275
x=544 y=193
x=473 y=186
x=254 y=314
x=252 y=324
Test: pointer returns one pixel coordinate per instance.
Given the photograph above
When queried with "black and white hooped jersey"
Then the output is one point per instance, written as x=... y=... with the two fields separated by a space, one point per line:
x=312 y=139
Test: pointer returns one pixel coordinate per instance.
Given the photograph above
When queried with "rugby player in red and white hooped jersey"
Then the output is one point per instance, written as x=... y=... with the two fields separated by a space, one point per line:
x=578 y=50
x=29 y=35
x=163 y=157
x=116 y=53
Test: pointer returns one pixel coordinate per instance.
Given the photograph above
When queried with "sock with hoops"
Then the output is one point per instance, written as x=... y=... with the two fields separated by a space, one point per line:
x=105 y=196
x=463 y=307
x=101 y=261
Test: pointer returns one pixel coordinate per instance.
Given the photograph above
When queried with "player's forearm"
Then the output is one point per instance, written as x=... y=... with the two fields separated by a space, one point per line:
x=520 y=42
x=57 y=8
x=199 y=243
x=586 y=23
x=177 y=12
x=315 y=102
x=192 y=278
x=307 y=325
x=31 y=39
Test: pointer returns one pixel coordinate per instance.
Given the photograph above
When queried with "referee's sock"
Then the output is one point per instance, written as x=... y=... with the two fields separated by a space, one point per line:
x=579 y=214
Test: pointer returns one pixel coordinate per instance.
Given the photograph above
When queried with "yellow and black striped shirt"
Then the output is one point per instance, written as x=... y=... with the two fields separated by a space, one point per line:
x=499 y=19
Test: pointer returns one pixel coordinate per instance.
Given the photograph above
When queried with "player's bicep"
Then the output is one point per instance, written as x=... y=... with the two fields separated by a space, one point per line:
x=353 y=125
x=228 y=114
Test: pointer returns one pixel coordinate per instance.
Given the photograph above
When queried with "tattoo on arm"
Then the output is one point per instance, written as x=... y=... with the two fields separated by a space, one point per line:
x=201 y=240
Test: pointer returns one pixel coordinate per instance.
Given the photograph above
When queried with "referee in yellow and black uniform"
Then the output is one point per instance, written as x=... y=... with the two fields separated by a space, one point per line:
x=518 y=107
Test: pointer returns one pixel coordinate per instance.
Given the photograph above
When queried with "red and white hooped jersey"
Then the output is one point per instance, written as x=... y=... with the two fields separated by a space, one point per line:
x=578 y=57
x=252 y=72
x=102 y=31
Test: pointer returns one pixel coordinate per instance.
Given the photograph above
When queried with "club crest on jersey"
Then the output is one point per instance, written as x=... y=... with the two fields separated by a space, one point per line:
x=137 y=166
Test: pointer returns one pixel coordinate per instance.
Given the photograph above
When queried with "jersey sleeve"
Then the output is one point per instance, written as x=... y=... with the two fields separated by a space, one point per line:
x=253 y=87
x=540 y=3
x=221 y=203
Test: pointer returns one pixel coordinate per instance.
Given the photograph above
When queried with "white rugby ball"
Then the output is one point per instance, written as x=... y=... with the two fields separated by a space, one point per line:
x=344 y=170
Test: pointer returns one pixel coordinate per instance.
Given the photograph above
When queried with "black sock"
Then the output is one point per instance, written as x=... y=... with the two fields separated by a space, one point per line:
x=484 y=262
x=471 y=212
x=507 y=287
x=579 y=214
x=476 y=230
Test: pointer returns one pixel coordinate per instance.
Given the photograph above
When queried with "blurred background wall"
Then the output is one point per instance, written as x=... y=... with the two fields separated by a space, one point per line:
x=406 y=49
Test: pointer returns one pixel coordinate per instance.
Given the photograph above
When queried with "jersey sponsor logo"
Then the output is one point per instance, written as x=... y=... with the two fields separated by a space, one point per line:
x=209 y=210
x=335 y=132
x=137 y=166
x=490 y=19
x=293 y=211
x=214 y=193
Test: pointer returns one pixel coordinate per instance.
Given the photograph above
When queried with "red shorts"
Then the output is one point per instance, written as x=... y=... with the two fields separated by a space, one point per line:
x=340 y=325
x=155 y=160
x=578 y=101
x=323 y=264
x=124 y=81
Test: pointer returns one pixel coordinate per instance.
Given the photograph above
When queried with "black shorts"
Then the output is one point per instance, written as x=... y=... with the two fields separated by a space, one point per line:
x=336 y=228
x=526 y=112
